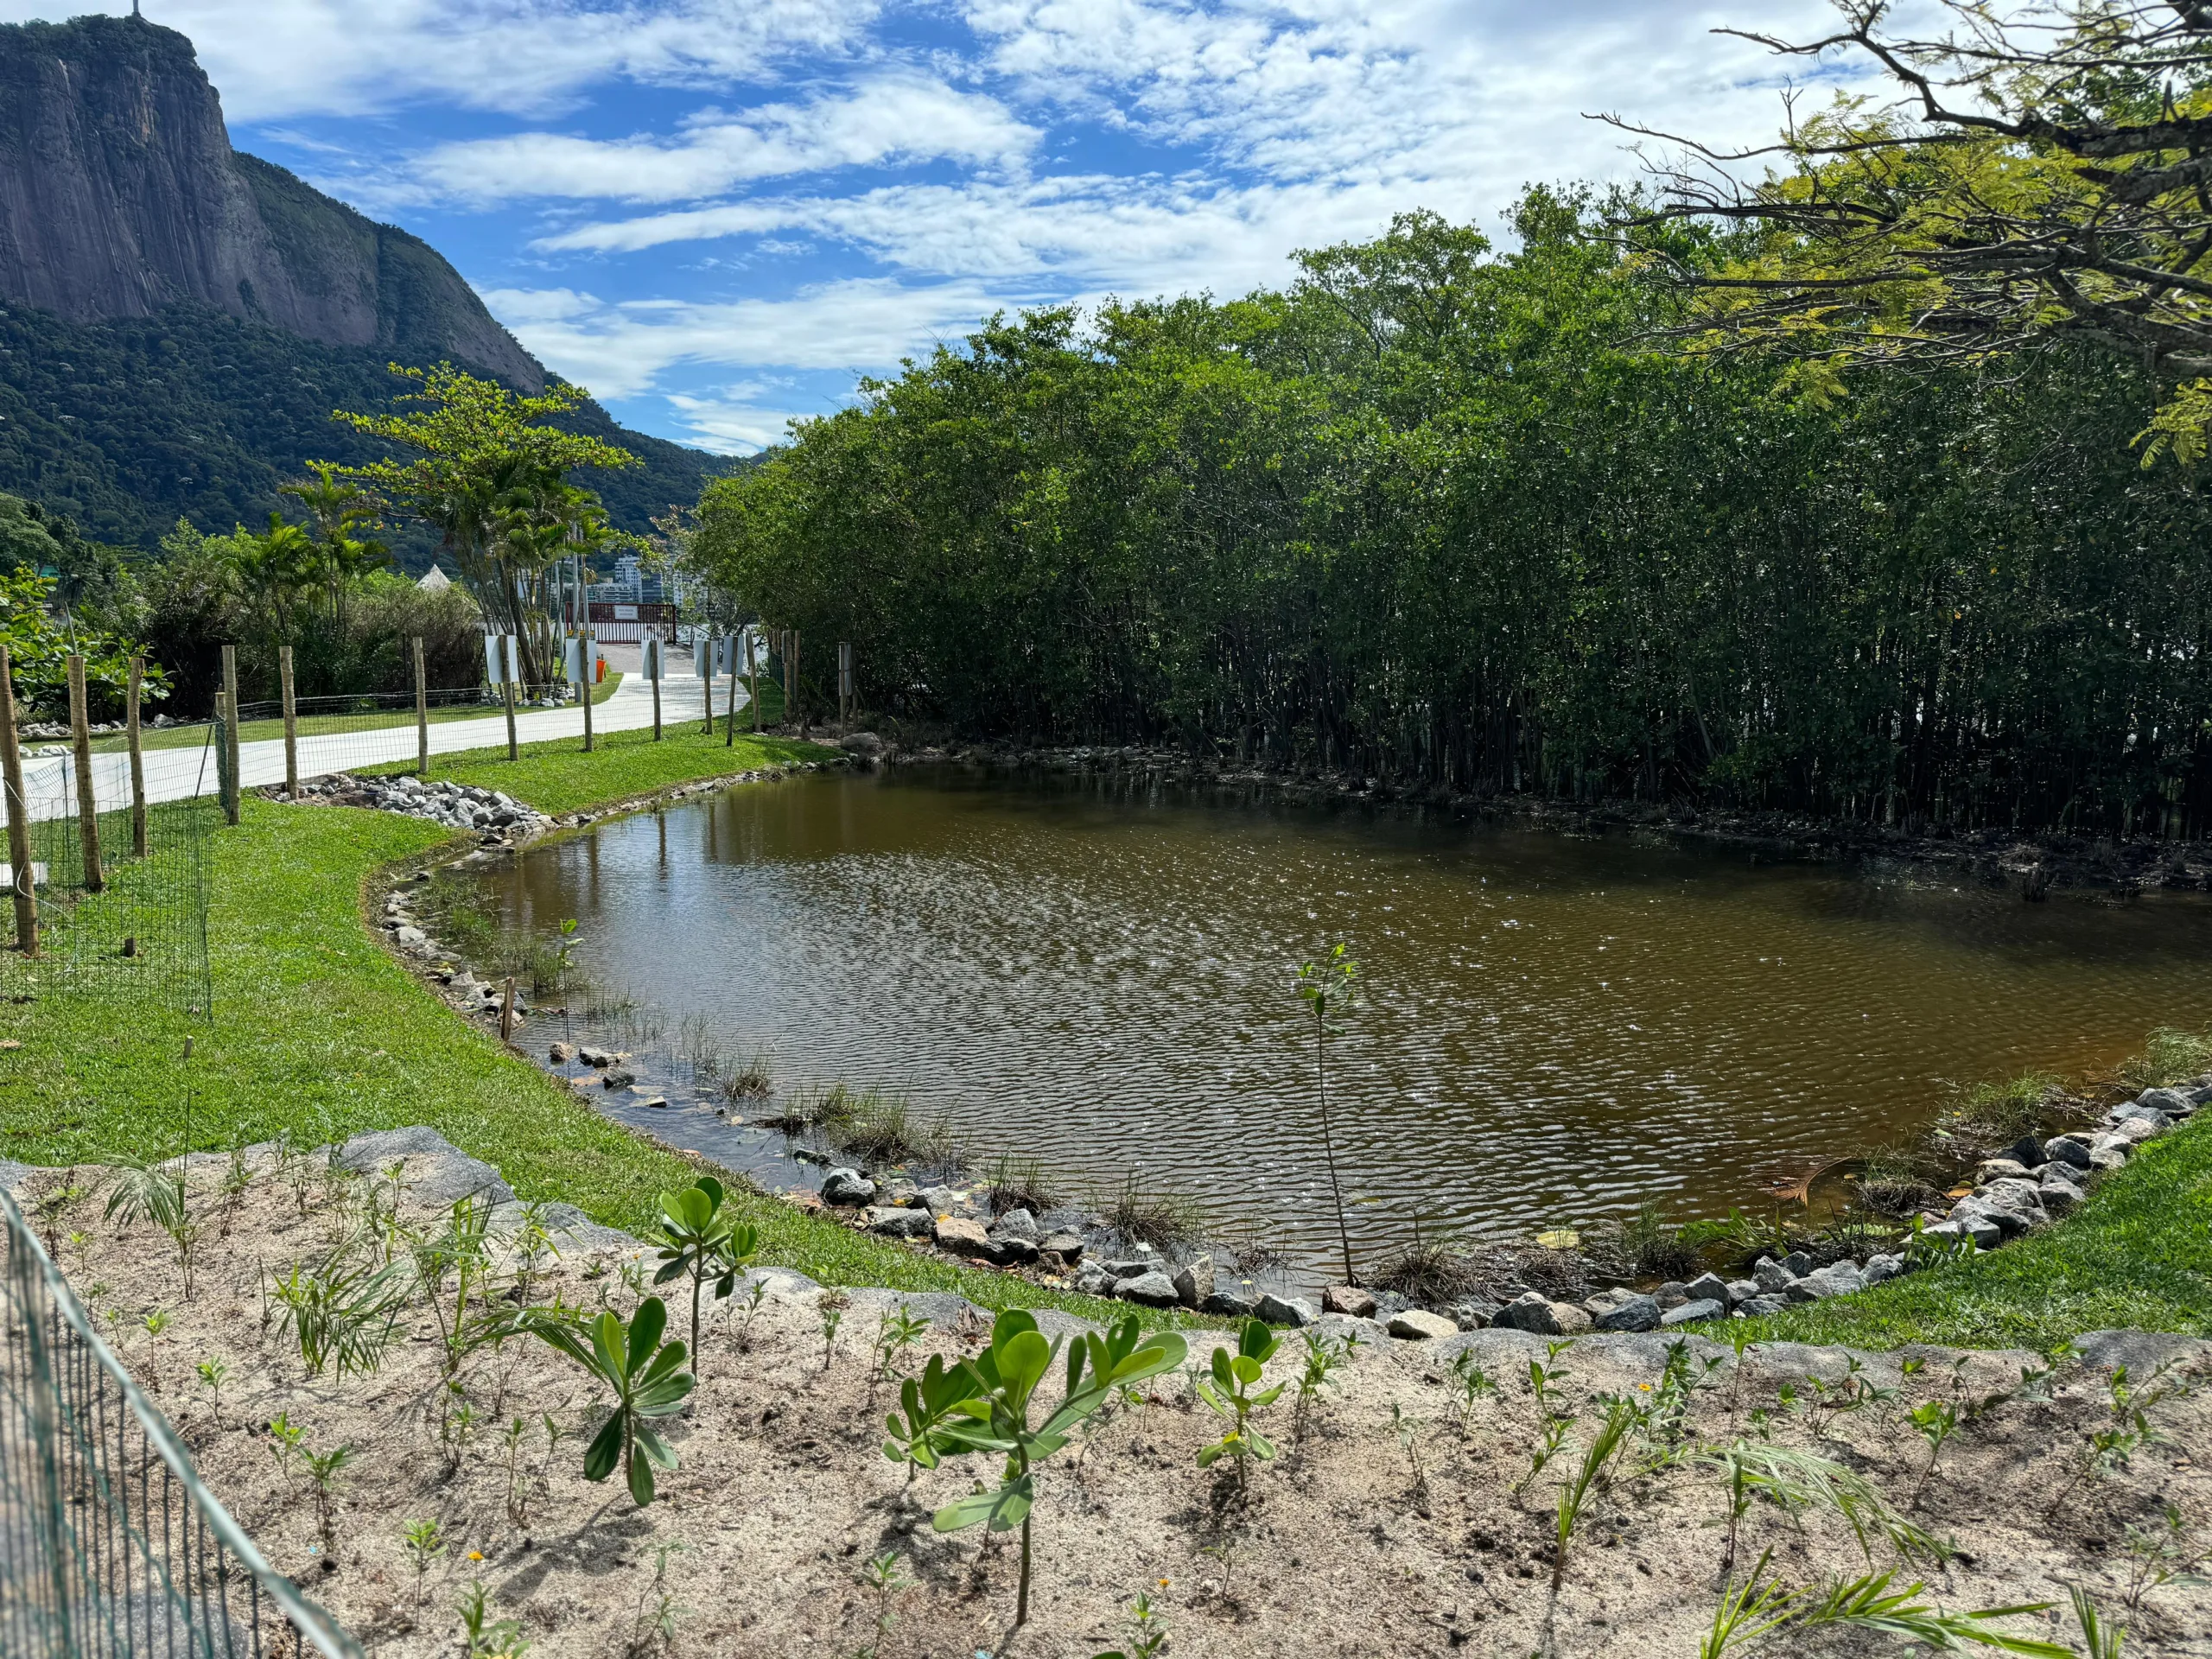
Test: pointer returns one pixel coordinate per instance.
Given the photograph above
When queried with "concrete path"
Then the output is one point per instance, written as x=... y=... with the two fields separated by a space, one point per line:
x=179 y=774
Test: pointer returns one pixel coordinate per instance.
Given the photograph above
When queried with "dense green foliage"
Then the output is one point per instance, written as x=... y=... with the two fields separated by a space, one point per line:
x=1444 y=516
x=131 y=424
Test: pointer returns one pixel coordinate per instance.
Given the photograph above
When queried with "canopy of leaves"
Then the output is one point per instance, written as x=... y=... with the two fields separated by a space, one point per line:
x=1445 y=517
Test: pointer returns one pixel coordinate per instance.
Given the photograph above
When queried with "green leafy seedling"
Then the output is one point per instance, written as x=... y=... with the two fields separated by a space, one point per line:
x=323 y=1469
x=424 y=1543
x=1234 y=1391
x=699 y=1240
x=646 y=1378
x=996 y=1418
x=214 y=1371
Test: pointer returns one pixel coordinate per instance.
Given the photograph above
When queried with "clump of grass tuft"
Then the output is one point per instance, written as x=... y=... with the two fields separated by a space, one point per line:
x=1992 y=1115
x=1024 y=1186
x=2169 y=1056
x=1644 y=1246
x=1163 y=1220
x=1894 y=1183
x=1425 y=1271
x=880 y=1129
x=748 y=1078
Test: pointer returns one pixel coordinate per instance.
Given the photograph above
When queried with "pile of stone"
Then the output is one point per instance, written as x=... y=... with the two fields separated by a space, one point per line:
x=459 y=806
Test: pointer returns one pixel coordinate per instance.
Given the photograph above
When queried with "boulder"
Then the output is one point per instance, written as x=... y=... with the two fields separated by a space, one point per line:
x=1883 y=1267
x=2068 y=1149
x=1194 y=1282
x=2173 y=1102
x=2061 y=1198
x=1130 y=1270
x=591 y=1056
x=1017 y=1223
x=1535 y=1313
x=1706 y=1286
x=1573 y=1321
x=943 y=1200
x=2109 y=1152
x=1153 y=1289
x=1622 y=1310
x=1999 y=1169
x=899 y=1222
x=1772 y=1276
x=561 y=1054
x=847 y=1186
x=1473 y=1314
x=1418 y=1325
x=2010 y=1223
x=1014 y=1250
x=1349 y=1300
x=1689 y=1312
x=1798 y=1262
x=865 y=744
x=1673 y=1293
x=1974 y=1225
x=2143 y=1126
x=1285 y=1310
x=2027 y=1152
x=1838 y=1279
x=2023 y=1196
x=1066 y=1245
x=1742 y=1290
x=963 y=1237
x=615 y=1077
x=1232 y=1304
x=1091 y=1279
x=1759 y=1307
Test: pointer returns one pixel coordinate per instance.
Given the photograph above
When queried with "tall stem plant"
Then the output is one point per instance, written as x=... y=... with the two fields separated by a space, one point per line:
x=1329 y=987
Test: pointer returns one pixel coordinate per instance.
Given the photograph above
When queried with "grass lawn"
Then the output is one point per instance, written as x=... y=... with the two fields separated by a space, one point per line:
x=320 y=1031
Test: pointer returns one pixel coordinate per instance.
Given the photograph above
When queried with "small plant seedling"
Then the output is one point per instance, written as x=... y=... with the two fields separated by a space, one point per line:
x=423 y=1543
x=1330 y=985
x=646 y=1378
x=1936 y=1421
x=2099 y=1639
x=754 y=1297
x=1470 y=1383
x=143 y=1188
x=1234 y=1392
x=2161 y=1556
x=214 y=1371
x=511 y=1440
x=995 y=1418
x=656 y=1625
x=1758 y=1606
x=341 y=1312
x=1148 y=1630
x=323 y=1469
x=832 y=1308
x=702 y=1241
x=488 y=1639
x=156 y=1324
x=1408 y=1431
x=898 y=1331
x=926 y=1403
x=285 y=1439
x=1324 y=1356
x=1575 y=1495
x=883 y=1575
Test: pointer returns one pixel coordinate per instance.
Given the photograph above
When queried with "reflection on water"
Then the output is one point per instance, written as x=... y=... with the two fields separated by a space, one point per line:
x=1556 y=1029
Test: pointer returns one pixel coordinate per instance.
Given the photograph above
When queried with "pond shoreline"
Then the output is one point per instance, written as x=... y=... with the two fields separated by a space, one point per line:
x=2031 y=865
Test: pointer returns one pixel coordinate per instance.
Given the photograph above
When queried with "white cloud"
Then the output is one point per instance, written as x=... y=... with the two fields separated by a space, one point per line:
x=739 y=418
x=855 y=326
x=273 y=59
x=897 y=117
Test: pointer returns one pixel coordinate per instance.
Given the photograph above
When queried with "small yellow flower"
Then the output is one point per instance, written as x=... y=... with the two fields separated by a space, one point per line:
x=1163 y=1584
x=1645 y=1387
x=475 y=1555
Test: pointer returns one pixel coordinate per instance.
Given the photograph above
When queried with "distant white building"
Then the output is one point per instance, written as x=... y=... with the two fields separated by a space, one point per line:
x=434 y=582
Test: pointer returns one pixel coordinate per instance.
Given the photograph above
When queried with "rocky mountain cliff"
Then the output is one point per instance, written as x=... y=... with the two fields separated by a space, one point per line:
x=120 y=195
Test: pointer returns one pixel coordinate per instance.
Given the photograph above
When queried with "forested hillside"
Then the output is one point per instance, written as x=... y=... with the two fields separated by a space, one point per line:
x=130 y=424
x=1445 y=515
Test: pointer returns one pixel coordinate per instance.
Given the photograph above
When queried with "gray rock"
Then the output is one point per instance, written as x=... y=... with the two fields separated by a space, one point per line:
x=1130 y=1270
x=1153 y=1289
x=2061 y=1198
x=1231 y=1304
x=591 y=1056
x=1473 y=1314
x=1742 y=1290
x=899 y=1222
x=2109 y=1152
x=1092 y=1280
x=1194 y=1281
x=615 y=1077
x=1838 y=1279
x=561 y=1054
x=2023 y=1196
x=1759 y=1307
x=867 y=744
x=1706 y=1286
x=1771 y=1276
x=1880 y=1268
x=2009 y=1222
x=1706 y=1307
x=2068 y=1149
x=1984 y=1233
x=1069 y=1246
x=847 y=1186
x=1013 y=1248
x=1016 y=1224
x=2143 y=1126
x=1999 y=1169
x=2027 y=1152
x=2171 y=1102
x=1350 y=1300
x=1418 y=1325
x=1798 y=1262
x=1622 y=1310
x=942 y=1201
x=1286 y=1310
x=438 y=1174
x=905 y=1194
x=1535 y=1313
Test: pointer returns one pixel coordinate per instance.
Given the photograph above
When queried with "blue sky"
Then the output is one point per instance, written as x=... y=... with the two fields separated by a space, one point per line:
x=717 y=216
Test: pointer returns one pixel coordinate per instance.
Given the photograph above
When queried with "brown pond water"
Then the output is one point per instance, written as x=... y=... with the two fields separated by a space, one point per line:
x=1555 y=1028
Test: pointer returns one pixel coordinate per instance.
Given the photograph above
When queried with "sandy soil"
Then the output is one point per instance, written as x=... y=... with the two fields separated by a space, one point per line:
x=1431 y=1537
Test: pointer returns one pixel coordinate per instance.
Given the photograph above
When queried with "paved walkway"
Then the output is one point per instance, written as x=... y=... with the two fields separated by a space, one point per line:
x=179 y=774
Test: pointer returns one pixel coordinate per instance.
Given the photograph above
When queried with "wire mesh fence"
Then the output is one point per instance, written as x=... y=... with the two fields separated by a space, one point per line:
x=110 y=1544
x=126 y=909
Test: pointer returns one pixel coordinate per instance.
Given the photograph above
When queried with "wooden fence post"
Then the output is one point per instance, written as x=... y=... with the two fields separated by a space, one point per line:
x=588 y=661
x=229 y=734
x=20 y=881
x=137 y=758
x=421 y=716
x=291 y=723
x=88 y=806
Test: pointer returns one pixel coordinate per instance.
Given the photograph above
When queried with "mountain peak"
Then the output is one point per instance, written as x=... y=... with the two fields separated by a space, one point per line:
x=120 y=195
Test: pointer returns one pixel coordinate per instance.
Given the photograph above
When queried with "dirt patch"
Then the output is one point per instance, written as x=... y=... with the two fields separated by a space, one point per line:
x=1403 y=1514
